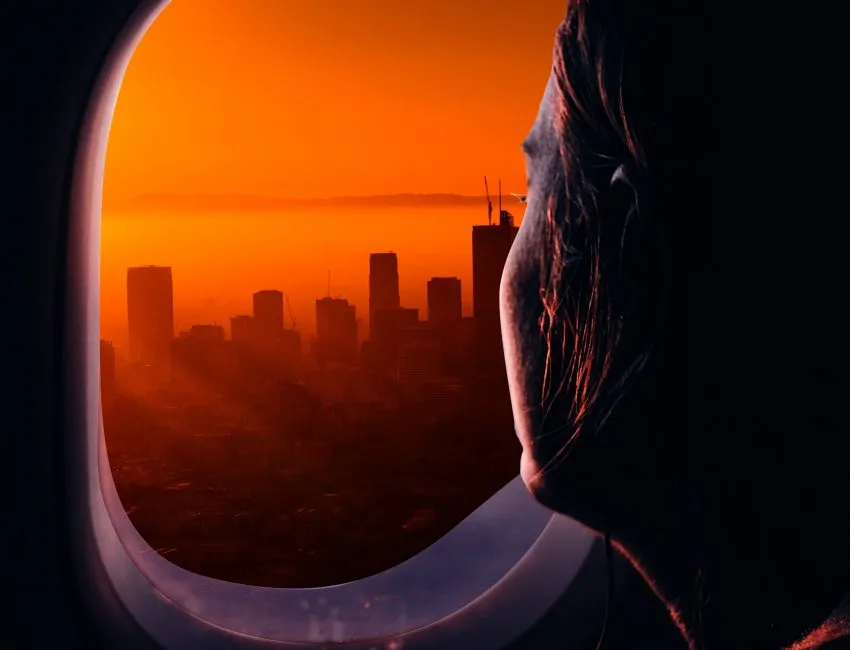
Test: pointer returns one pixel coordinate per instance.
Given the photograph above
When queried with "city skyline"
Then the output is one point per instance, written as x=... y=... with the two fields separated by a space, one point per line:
x=287 y=320
x=363 y=310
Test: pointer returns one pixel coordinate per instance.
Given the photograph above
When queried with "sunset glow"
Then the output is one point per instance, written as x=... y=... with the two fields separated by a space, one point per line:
x=286 y=99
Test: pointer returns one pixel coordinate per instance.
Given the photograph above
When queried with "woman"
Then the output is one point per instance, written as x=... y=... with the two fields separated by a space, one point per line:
x=665 y=389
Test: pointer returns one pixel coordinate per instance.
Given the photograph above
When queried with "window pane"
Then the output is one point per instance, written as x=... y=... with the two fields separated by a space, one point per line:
x=301 y=390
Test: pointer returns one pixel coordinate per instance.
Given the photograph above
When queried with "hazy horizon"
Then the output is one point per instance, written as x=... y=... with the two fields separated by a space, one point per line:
x=247 y=154
x=256 y=201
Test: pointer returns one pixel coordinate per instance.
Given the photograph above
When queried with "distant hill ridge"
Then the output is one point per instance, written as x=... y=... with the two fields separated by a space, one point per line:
x=258 y=202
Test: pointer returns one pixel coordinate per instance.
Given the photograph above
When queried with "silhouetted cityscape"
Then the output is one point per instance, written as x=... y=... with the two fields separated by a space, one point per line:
x=239 y=457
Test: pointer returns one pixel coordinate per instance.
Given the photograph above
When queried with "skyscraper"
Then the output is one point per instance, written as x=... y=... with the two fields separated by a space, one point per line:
x=490 y=247
x=240 y=328
x=388 y=324
x=210 y=333
x=201 y=352
x=336 y=331
x=444 y=302
x=150 y=315
x=419 y=355
x=268 y=316
x=383 y=284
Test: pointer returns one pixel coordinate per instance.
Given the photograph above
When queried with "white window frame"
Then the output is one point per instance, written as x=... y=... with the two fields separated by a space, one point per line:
x=480 y=586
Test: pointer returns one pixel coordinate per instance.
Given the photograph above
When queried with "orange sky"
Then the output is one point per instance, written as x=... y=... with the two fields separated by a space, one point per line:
x=322 y=98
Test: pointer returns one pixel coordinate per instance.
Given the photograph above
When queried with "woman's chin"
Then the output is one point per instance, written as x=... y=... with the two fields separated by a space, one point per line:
x=542 y=485
x=529 y=471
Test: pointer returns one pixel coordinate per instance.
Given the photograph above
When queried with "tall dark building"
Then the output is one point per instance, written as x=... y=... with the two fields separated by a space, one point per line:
x=386 y=334
x=336 y=331
x=210 y=333
x=444 y=302
x=201 y=353
x=490 y=247
x=150 y=314
x=240 y=328
x=268 y=316
x=420 y=355
x=107 y=371
x=383 y=284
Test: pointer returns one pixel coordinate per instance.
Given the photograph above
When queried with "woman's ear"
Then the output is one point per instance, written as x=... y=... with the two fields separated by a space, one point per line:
x=622 y=211
x=619 y=176
x=634 y=249
x=624 y=194
x=623 y=188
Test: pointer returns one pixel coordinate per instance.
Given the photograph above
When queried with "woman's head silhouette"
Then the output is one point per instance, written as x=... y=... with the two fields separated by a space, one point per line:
x=658 y=390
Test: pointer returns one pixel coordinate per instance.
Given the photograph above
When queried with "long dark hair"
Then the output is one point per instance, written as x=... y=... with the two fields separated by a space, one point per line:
x=605 y=265
x=620 y=106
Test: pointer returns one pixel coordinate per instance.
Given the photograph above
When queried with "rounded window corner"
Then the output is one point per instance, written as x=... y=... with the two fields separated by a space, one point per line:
x=466 y=582
x=462 y=587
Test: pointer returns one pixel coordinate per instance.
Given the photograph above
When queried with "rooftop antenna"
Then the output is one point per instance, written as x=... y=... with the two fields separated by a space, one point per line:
x=489 y=204
x=500 y=201
x=329 y=283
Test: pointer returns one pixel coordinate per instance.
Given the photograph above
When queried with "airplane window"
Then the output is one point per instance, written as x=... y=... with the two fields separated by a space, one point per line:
x=301 y=255
x=302 y=438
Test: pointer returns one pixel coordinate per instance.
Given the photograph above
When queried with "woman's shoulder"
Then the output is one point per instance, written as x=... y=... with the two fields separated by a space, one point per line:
x=834 y=639
x=834 y=634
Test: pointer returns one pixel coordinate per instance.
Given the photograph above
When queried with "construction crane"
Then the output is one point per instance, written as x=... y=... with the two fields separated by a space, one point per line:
x=489 y=204
x=291 y=315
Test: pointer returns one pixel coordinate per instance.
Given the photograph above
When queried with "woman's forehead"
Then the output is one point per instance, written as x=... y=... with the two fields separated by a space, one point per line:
x=543 y=127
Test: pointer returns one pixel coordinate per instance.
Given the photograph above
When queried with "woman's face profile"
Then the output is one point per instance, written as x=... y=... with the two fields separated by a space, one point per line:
x=569 y=473
x=526 y=353
x=642 y=410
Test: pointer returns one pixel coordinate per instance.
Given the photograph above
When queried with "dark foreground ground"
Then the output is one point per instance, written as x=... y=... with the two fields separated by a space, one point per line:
x=292 y=496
